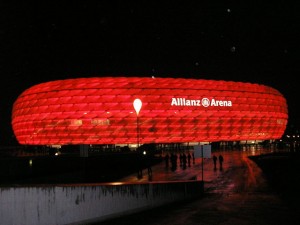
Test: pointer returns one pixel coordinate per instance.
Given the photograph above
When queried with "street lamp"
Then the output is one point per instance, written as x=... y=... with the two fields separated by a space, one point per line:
x=137 y=104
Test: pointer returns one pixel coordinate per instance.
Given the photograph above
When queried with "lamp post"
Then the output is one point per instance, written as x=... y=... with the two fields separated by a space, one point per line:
x=137 y=104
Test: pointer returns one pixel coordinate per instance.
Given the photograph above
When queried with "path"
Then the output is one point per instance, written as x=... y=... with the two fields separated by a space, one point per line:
x=239 y=194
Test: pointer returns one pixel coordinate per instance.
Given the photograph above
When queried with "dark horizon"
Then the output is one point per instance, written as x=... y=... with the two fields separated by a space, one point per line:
x=232 y=41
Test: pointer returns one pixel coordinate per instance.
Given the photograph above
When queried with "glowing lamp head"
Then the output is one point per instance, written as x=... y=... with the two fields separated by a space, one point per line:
x=137 y=104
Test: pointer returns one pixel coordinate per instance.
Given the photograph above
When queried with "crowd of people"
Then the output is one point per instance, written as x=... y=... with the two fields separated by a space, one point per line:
x=185 y=160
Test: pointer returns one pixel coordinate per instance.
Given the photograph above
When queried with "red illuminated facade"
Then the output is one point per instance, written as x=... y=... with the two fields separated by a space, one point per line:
x=100 y=111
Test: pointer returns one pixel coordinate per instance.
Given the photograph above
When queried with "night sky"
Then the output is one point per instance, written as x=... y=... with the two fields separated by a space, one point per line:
x=236 y=41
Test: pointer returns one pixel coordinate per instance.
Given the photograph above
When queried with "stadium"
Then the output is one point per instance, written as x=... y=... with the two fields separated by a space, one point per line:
x=101 y=110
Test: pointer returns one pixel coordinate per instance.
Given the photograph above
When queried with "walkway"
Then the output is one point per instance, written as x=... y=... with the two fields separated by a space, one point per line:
x=239 y=194
x=196 y=171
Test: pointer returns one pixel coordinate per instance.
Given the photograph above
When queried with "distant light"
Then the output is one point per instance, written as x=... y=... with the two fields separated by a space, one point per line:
x=30 y=162
x=229 y=10
x=153 y=77
x=117 y=183
x=144 y=152
x=137 y=104
x=55 y=146
x=232 y=49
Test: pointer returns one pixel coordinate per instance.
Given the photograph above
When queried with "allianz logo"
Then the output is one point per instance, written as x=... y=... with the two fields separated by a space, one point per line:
x=205 y=102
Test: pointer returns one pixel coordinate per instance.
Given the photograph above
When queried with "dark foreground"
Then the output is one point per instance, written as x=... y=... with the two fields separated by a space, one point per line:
x=282 y=171
x=250 y=190
x=106 y=167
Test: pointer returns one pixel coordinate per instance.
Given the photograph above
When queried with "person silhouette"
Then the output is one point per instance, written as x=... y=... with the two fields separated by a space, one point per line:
x=221 y=159
x=184 y=161
x=181 y=159
x=167 y=158
x=173 y=161
x=193 y=156
x=215 y=158
x=189 y=159
x=149 y=166
x=149 y=169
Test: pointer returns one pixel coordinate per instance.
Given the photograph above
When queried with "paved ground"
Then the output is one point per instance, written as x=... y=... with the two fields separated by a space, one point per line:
x=238 y=194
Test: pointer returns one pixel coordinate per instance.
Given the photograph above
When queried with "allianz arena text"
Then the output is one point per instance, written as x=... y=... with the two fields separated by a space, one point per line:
x=100 y=110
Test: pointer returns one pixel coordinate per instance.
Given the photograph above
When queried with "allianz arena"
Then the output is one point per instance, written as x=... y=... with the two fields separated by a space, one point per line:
x=100 y=110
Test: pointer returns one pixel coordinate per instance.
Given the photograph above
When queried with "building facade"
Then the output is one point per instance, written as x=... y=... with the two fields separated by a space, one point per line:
x=100 y=110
